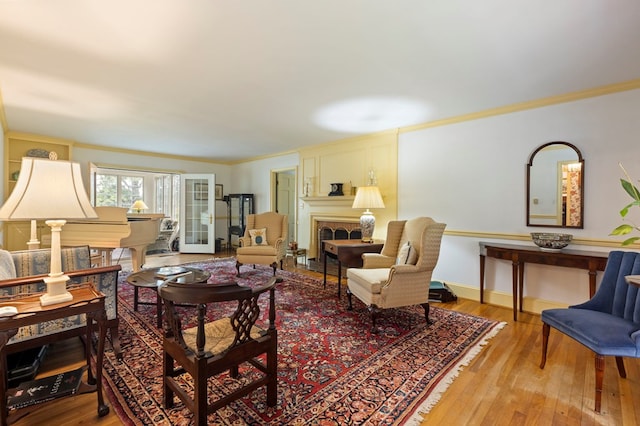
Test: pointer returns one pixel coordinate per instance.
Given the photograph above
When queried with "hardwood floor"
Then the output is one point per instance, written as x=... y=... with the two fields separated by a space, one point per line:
x=503 y=384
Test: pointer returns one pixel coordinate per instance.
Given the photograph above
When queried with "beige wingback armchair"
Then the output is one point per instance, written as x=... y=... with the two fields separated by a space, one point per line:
x=399 y=275
x=264 y=241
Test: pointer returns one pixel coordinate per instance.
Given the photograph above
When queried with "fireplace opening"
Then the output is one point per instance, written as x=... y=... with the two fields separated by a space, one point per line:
x=331 y=229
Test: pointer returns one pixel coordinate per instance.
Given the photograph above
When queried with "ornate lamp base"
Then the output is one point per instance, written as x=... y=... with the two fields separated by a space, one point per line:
x=367 y=224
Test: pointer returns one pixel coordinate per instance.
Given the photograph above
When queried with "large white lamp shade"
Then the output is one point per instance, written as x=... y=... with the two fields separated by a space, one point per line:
x=50 y=190
x=368 y=197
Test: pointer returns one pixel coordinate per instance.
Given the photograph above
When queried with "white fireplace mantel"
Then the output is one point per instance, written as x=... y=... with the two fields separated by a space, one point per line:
x=326 y=201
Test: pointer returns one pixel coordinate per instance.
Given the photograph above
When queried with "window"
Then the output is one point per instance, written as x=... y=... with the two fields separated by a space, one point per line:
x=121 y=188
x=113 y=189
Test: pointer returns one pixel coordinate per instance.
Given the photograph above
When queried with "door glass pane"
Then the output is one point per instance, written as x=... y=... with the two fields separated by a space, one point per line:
x=196 y=211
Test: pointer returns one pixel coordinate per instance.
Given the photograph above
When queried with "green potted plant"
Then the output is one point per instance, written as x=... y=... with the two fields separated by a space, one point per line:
x=627 y=228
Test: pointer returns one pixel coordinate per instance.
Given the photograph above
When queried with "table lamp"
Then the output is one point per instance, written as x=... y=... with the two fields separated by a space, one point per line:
x=368 y=197
x=50 y=190
x=138 y=206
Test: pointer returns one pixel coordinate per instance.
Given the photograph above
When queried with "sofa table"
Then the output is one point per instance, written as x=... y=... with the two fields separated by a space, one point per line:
x=521 y=254
x=348 y=253
x=86 y=300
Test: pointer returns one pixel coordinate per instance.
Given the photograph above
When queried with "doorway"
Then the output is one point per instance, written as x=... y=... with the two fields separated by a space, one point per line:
x=283 y=197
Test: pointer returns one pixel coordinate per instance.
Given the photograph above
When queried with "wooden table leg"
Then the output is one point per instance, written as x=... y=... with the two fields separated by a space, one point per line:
x=482 y=260
x=520 y=283
x=514 y=285
x=324 y=257
x=339 y=277
x=158 y=310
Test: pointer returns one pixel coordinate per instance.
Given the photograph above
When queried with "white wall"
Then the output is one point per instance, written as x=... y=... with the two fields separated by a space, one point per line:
x=472 y=175
x=254 y=177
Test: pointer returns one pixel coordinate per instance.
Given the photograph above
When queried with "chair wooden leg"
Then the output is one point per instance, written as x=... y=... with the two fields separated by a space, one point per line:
x=350 y=306
x=274 y=265
x=167 y=394
x=426 y=312
x=599 y=380
x=621 y=370
x=545 y=340
x=272 y=374
x=375 y=311
x=234 y=372
x=115 y=340
x=238 y=264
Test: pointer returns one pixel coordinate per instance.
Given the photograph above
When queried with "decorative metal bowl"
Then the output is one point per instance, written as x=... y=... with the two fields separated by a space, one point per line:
x=550 y=241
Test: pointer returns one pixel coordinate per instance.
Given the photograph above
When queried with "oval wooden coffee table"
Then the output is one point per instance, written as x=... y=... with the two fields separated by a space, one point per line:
x=155 y=277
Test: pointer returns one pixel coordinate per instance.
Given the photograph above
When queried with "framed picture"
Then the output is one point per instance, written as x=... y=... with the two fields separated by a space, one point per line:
x=219 y=192
x=201 y=191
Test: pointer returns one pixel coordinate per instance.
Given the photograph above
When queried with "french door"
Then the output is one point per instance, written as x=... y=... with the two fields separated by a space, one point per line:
x=197 y=213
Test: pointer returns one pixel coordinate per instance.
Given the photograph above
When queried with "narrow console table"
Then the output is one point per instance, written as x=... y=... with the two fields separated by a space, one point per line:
x=348 y=253
x=520 y=254
x=86 y=300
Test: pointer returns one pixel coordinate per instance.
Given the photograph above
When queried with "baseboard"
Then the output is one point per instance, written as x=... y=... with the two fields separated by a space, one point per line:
x=492 y=297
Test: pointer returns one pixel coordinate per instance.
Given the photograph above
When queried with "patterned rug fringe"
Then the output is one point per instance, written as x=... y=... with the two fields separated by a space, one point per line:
x=436 y=394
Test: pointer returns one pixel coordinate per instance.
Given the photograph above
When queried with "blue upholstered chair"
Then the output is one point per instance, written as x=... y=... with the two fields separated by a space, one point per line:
x=609 y=323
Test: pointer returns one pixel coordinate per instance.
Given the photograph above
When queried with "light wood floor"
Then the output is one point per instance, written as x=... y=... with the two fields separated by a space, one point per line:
x=503 y=385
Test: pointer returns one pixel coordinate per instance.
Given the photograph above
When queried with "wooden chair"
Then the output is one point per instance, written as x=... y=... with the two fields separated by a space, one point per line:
x=213 y=347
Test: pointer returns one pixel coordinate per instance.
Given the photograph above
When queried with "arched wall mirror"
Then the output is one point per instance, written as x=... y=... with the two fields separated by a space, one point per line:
x=555 y=186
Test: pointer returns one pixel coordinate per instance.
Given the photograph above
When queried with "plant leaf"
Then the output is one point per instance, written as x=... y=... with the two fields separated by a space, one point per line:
x=630 y=189
x=630 y=241
x=622 y=230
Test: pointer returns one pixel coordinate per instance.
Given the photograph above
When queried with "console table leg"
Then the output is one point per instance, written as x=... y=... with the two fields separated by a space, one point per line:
x=514 y=290
x=324 y=258
x=482 y=260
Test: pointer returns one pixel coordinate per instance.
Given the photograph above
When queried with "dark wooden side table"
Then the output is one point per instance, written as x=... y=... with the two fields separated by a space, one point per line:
x=86 y=300
x=155 y=277
x=521 y=254
x=348 y=253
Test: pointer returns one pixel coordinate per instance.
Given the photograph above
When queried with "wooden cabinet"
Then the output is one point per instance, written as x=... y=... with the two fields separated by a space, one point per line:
x=16 y=146
x=238 y=207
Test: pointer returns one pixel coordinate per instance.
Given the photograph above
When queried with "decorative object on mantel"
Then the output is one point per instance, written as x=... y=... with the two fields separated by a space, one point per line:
x=54 y=191
x=336 y=190
x=308 y=186
x=635 y=196
x=550 y=241
x=368 y=197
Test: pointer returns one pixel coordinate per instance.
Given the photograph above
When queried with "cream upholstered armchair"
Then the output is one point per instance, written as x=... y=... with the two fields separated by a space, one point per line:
x=399 y=275
x=264 y=241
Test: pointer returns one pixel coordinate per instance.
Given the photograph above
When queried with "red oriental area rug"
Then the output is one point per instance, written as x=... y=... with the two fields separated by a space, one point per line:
x=331 y=369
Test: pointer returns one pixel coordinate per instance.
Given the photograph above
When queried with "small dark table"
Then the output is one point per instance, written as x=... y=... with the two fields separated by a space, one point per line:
x=155 y=277
x=347 y=252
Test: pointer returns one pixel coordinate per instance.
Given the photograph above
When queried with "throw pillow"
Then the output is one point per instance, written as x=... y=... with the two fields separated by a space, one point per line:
x=258 y=237
x=407 y=255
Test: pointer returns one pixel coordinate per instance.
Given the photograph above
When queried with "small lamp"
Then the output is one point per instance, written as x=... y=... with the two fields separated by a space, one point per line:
x=138 y=206
x=51 y=190
x=368 y=197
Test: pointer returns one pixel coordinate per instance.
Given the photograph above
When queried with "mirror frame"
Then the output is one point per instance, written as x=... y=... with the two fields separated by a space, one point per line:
x=528 y=199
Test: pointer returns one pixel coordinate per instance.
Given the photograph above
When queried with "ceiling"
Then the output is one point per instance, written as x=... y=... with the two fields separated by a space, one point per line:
x=232 y=80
